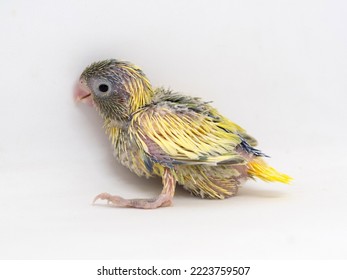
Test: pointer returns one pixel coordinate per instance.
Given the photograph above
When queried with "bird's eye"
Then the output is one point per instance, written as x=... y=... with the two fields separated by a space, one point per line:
x=103 y=87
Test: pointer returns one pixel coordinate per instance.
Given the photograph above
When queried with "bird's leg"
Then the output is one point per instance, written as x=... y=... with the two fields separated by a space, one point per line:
x=164 y=199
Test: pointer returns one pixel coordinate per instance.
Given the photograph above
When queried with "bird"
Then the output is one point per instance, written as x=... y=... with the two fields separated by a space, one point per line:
x=159 y=132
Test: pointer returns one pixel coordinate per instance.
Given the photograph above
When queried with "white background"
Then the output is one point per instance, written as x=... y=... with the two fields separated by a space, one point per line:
x=277 y=68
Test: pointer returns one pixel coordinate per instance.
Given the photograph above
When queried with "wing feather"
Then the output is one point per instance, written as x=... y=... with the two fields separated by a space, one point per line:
x=172 y=136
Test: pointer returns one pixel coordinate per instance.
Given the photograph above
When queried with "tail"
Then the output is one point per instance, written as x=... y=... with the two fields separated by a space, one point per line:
x=259 y=168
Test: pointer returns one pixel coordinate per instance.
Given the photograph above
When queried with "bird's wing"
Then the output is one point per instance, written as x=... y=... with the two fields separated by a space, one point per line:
x=172 y=133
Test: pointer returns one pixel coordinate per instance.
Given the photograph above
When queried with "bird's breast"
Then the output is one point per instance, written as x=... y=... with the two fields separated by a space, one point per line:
x=128 y=154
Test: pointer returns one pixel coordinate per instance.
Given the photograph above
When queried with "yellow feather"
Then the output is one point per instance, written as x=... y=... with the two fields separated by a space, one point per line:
x=259 y=168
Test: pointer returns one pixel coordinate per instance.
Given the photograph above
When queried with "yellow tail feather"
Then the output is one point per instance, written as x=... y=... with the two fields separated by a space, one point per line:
x=260 y=169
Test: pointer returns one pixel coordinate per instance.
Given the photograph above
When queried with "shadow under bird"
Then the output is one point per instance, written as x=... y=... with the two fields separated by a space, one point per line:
x=182 y=139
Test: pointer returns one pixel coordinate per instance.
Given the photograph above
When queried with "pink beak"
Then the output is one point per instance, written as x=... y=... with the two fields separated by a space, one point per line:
x=82 y=93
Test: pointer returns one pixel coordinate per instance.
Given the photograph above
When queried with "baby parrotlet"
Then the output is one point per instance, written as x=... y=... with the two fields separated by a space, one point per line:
x=182 y=139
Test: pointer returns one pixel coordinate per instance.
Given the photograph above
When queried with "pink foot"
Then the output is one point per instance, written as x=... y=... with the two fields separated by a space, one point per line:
x=163 y=200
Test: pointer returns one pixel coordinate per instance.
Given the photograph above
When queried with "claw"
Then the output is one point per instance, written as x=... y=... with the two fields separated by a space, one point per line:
x=102 y=196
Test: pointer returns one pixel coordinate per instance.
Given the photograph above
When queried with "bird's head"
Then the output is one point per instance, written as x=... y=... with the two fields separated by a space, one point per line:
x=116 y=88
